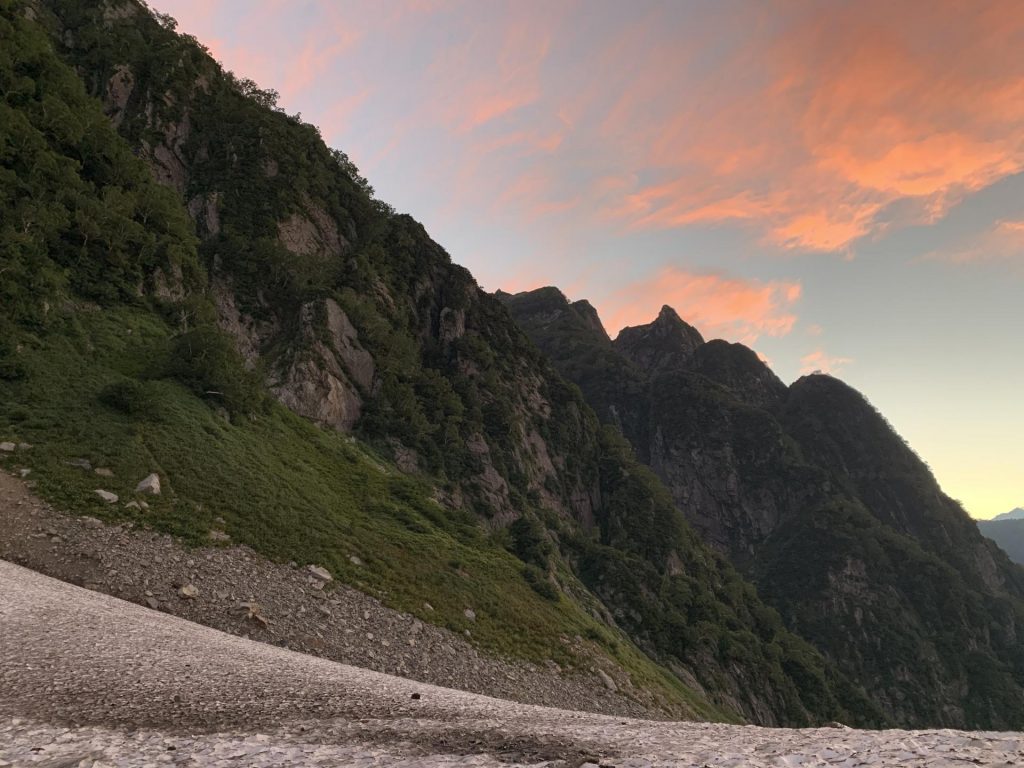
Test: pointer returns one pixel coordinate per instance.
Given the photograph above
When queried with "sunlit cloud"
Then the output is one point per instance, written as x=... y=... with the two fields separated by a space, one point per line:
x=718 y=306
x=808 y=135
x=820 y=362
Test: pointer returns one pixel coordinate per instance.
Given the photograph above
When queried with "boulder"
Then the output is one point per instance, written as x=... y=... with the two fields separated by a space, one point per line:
x=189 y=592
x=7 y=447
x=149 y=485
x=104 y=472
x=107 y=496
x=319 y=573
x=470 y=614
x=80 y=463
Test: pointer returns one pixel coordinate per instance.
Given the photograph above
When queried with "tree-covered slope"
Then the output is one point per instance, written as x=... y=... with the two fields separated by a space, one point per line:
x=428 y=451
x=815 y=498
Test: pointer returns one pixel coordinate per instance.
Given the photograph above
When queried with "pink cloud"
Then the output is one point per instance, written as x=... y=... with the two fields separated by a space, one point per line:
x=820 y=362
x=806 y=137
x=718 y=306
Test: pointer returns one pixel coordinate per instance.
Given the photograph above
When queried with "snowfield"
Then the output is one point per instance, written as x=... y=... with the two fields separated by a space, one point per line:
x=90 y=680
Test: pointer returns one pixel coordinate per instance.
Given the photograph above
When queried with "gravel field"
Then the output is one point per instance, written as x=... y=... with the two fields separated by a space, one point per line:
x=90 y=680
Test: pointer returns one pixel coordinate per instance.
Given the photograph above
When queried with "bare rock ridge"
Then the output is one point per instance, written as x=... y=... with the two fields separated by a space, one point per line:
x=811 y=494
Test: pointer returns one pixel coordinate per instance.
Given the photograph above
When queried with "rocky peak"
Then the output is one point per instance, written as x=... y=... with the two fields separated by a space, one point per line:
x=589 y=315
x=666 y=343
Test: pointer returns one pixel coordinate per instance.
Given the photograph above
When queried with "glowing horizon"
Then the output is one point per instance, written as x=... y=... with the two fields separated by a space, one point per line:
x=838 y=184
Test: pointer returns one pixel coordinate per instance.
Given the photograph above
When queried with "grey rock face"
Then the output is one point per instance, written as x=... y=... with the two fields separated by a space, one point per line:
x=324 y=382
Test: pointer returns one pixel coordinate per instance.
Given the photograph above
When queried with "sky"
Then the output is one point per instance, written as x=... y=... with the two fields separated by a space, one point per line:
x=839 y=185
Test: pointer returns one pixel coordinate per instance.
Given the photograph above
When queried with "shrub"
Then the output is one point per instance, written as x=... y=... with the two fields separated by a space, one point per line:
x=132 y=398
x=540 y=583
x=207 y=362
x=529 y=542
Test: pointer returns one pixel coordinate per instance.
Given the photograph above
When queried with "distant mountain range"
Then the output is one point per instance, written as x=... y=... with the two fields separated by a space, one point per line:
x=1007 y=530
x=1013 y=514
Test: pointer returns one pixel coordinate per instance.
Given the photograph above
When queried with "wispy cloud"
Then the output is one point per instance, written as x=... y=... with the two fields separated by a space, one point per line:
x=819 y=361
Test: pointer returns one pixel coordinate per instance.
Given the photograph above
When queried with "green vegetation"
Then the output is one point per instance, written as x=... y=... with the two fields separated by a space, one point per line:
x=81 y=213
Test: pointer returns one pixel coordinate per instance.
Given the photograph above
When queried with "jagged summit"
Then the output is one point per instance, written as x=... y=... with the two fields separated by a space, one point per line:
x=665 y=343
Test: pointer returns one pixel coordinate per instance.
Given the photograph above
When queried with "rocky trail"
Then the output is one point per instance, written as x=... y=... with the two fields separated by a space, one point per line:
x=91 y=680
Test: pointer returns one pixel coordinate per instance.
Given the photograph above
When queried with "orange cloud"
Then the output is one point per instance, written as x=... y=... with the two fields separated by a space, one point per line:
x=808 y=136
x=819 y=362
x=718 y=306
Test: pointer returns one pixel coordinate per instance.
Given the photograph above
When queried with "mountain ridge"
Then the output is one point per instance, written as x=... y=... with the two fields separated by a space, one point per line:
x=812 y=495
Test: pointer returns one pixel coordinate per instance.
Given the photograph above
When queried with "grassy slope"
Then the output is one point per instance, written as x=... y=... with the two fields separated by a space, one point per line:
x=284 y=487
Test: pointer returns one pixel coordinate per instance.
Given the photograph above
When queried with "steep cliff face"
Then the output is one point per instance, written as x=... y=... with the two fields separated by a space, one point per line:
x=290 y=279
x=811 y=494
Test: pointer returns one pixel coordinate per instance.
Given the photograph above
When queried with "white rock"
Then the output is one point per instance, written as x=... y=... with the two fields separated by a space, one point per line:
x=24 y=472
x=150 y=484
x=607 y=680
x=107 y=496
x=7 y=447
x=470 y=614
x=189 y=592
x=104 y=472
x=319 y=573
x=355 y=560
